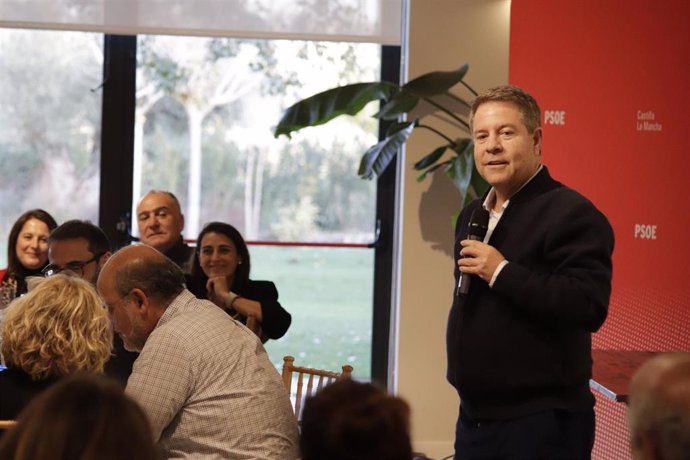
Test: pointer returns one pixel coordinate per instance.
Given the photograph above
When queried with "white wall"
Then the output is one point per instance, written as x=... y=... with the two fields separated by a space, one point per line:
x=443 y=34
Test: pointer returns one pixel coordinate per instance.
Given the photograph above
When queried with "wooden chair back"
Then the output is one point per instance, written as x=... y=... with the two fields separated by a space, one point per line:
x=315 y=380
x=7 y=424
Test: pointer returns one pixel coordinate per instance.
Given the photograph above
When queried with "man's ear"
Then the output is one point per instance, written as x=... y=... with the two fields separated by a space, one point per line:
x=537 y=137
x=104 y=258
x=141 y=300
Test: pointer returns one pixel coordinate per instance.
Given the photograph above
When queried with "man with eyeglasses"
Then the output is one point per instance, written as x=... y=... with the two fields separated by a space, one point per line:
x=80 y=248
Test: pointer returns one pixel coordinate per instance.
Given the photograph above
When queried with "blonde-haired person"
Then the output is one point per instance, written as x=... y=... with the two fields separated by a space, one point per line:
x=59 y=328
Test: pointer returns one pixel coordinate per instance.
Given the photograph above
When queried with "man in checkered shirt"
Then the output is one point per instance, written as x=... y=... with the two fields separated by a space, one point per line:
x=204 y=380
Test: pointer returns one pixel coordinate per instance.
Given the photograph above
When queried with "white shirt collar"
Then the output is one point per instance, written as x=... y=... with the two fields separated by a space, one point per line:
x=491 y=196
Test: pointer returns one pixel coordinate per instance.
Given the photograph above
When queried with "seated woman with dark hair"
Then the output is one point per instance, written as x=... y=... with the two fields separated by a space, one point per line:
x=27 y=253
x=59 y=328
x=82 y=417
x=350 y=420
x=220 y=273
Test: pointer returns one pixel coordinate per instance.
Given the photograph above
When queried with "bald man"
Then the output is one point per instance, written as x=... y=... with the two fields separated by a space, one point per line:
x=160 y=222
x=659 y=412
x=204 y=380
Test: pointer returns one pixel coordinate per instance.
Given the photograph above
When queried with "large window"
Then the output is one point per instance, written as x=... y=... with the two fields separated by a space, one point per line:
x=206 y=108
x=205 y=111
x=50 y=121
x=198 y=122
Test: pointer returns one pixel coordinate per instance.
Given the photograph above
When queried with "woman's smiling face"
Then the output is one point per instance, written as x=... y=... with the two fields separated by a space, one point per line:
x=32 y=244
x=218 y=255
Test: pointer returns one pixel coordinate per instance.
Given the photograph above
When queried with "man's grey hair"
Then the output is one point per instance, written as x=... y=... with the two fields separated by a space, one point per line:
x=164 y=192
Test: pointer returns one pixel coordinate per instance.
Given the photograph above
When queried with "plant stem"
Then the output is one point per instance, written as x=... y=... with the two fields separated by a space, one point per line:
x=434 y=130
x=460 y=100
x=469 y=87
x=451 y=114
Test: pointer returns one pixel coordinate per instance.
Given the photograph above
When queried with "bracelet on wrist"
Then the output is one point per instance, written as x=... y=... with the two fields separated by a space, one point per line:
x=230 y=299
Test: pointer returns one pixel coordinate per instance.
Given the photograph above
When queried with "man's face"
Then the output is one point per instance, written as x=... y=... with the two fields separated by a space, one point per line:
x=74 y=255
x=160 y=221
x=505 y=152
x=124 y=315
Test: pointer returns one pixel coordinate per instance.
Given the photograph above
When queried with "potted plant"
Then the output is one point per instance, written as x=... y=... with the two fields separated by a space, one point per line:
x=408 y=106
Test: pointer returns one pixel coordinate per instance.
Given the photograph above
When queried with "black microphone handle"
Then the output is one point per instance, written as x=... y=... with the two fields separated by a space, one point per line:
x=464 y=283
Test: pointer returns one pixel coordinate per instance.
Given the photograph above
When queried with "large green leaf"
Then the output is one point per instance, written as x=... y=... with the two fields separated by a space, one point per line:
x=431 y=158
x=323 y=107
x=399 y=104
x=399 y=126
x=433 y=83
x=378 y=156
x=461 y=168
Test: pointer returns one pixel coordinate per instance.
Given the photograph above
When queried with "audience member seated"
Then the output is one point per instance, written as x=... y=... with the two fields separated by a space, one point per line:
x=161 y=222
x=27 y=253
x=82 y=417
x=220 y=273
x=204 y=381
x=81 y=248
x=59 y=328
x=350 y=420
x=659 y=411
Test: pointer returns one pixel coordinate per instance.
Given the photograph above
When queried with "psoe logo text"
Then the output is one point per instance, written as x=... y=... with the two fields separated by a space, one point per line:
x=645 y=232
x=554 y=117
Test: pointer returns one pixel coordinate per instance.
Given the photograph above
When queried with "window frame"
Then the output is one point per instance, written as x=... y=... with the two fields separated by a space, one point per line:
x=117 y=166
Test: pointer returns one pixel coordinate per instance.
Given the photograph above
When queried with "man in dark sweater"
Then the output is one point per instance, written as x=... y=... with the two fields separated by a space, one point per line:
x=161 y=222
x=519 y=340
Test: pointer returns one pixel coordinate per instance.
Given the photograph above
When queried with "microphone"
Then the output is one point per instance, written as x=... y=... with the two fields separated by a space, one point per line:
x=479 y=224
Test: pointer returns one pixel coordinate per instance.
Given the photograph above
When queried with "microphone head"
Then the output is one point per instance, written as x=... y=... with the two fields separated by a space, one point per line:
x=479 y=223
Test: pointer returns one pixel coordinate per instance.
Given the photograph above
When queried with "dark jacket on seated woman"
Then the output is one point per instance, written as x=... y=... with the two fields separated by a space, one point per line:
x=276 y=320
x=17 y=389
x=220 y=273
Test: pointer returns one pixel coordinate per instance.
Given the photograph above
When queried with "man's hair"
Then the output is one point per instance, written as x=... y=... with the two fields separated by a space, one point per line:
x=349 y=420
x=165 y=192
x=80 y=417
x=60 y=327
x=14 y=266
x=660 y=411
x=159 y=277
x=529 y=109
x=74 y=229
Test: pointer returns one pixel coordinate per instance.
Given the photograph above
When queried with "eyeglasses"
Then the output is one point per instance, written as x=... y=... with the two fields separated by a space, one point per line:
x=75 y=267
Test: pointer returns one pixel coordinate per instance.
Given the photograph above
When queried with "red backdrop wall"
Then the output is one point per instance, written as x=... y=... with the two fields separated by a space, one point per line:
x=612 y=77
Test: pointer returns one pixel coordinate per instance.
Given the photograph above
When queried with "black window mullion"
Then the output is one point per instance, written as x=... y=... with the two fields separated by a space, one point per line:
x=117 y=136
x=383 y=251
